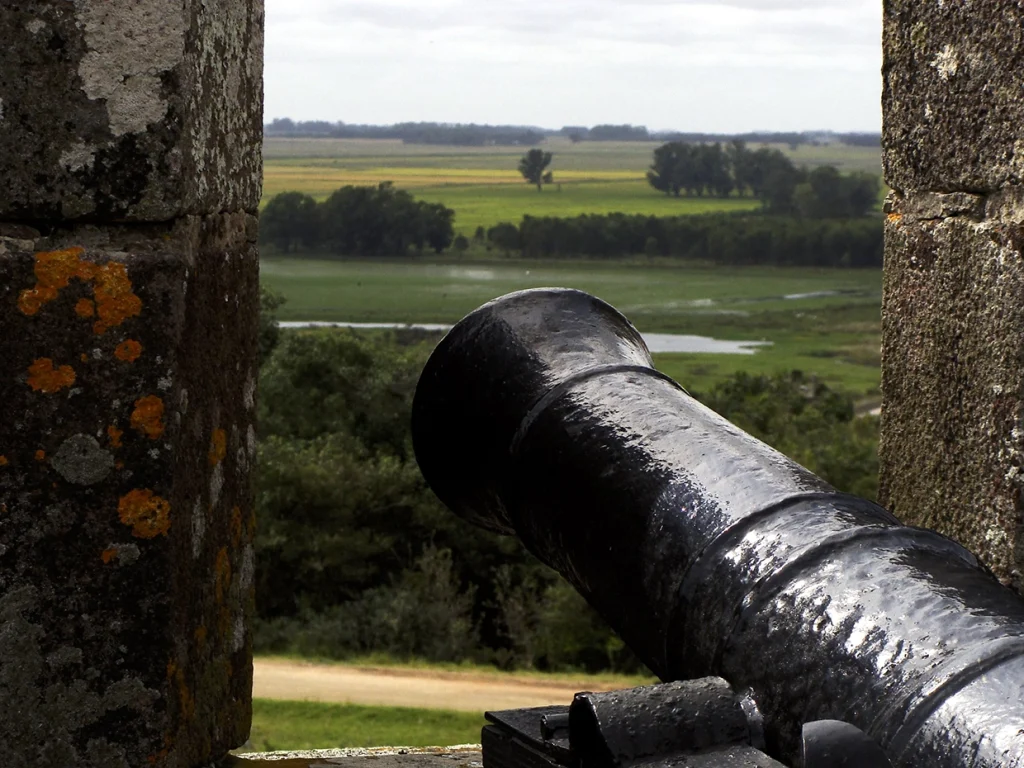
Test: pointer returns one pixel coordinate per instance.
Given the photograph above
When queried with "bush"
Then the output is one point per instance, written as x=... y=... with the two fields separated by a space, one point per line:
x=356 y=555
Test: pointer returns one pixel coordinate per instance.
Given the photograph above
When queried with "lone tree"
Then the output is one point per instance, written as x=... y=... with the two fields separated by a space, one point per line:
x=533 y=167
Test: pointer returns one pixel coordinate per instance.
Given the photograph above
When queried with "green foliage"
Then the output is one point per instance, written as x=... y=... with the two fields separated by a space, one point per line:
x=269 y=332
x=298 y=725
x=504 y=236
x=533 y=167
x=334 y=521
x=782 y=188
x=290 y=221
x=809 y=422
x=719 y=239
x=357 y=221
x=319 y=384
x=424 y=612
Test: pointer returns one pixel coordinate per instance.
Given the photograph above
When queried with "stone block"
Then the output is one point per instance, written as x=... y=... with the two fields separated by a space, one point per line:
x=952 y=448
x=126 y=514
x=130 y=110
x=953 y=74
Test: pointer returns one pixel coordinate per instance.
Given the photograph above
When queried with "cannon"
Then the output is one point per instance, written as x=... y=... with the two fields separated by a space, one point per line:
x=541 y=415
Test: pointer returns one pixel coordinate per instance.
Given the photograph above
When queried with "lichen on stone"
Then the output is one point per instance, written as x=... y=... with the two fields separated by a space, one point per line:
x=147 y=514
x=128 y=351
x=82 y=461
x=148 y=415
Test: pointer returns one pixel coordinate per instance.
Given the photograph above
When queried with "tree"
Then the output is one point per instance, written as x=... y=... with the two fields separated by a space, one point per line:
x=665 y=171
x=504 y=236
x=290 y=221
x=533 y=166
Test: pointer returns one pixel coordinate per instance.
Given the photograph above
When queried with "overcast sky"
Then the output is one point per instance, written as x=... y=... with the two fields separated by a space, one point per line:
x=693 y=65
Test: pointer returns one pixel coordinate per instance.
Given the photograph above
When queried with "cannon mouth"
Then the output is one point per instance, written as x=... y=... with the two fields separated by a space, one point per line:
x=487 y=375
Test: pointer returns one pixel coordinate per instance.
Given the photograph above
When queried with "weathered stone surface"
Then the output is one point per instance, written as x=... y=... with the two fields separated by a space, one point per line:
x=130 y=110
x=126 y=515
x=952 y=450
x=953 y=75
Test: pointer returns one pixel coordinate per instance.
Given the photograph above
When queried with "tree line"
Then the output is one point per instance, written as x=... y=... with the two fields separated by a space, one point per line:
x=357 y=221
x=476 y=135
x=457 y=134
x=355 y=555
x=714 y=170
x=726 y=239
x=384 y=221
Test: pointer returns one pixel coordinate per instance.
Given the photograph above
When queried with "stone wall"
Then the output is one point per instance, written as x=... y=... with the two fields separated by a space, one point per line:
x=130 y=152
x=953 y=307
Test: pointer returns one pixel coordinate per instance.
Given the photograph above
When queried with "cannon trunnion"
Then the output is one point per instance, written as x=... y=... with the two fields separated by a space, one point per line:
x=540 y=415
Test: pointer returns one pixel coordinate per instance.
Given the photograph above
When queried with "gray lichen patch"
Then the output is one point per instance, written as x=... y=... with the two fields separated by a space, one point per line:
x=81 y=460
x=45 y=715
x=134 y=111
x=130 y=46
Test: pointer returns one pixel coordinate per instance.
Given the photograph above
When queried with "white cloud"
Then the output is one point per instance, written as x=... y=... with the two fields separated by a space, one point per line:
x=730 y=65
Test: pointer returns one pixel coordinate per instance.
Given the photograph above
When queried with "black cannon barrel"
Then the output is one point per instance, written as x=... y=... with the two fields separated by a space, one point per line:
x=709 y=552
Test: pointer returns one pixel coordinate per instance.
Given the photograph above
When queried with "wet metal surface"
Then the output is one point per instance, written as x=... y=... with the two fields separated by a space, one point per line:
x=711 y=553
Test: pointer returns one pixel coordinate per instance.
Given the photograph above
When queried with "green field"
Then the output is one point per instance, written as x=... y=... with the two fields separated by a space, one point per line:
x=835 y=337
x=293 y=725
x=483 y=186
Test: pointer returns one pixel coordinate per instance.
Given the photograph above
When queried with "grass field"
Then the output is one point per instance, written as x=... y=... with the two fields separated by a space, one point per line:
x=292 y=725
x=823 y=322
x=483 y=186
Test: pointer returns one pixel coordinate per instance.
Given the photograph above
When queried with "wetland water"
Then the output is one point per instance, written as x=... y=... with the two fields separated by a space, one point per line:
x=656 y=342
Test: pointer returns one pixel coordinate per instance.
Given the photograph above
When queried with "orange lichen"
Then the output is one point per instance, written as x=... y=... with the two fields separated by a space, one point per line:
x=3 y=460
x=148 y=416
x=108 y=555
x=83 y=357
x=43 y=377
x=53 y=270
x=40 y=455
x=185 y=699
x=128 y=351
x=218 y=447
x=894 y=217
x=115 y=300
x=114 y=434
x=147 y=514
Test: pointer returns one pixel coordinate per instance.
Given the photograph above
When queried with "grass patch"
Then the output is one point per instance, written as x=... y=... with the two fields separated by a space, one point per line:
x=483 y=186
x=291 y=725
x=828 y=327
x=632 y=156
x=487 y=197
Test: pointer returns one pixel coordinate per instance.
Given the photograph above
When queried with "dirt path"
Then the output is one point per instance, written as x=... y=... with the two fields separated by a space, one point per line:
x=280 y=679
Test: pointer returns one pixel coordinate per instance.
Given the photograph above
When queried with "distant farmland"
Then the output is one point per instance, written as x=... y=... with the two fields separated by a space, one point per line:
x=484 y=187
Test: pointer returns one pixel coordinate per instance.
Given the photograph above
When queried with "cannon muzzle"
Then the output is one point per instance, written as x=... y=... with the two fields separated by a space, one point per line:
x=540 y=415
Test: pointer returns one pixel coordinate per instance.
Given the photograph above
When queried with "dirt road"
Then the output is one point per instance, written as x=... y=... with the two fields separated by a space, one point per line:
x=279 y=679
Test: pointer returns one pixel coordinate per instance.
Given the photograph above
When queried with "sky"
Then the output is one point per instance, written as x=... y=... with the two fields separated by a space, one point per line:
x=723 y=66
